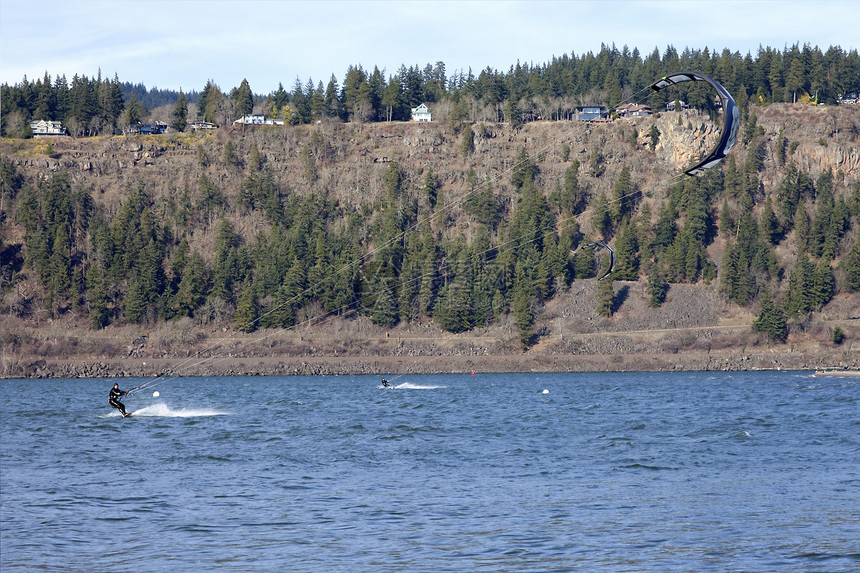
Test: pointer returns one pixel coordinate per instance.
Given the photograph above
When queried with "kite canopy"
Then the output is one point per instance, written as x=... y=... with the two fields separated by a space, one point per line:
x=731 y=118
x=596 y=246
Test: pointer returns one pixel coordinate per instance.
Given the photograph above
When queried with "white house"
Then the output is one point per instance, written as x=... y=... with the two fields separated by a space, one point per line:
x=421 y=113
x=42 y=127
x=257 y=119
x=195 y=125
x=671 y=105
x=633 y=110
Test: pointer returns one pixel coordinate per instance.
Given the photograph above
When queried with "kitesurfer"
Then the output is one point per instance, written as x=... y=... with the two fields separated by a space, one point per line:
x=113 y=399
x=385 y=383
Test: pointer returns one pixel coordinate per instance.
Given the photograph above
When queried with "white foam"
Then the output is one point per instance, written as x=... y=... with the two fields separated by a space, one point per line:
x=410 y=386
x=163 y=411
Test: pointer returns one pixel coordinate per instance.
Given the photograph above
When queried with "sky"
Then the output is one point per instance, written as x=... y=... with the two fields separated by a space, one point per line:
x=173 y=44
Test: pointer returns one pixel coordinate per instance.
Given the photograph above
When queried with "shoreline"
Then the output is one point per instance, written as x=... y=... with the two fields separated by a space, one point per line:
x=819 y=363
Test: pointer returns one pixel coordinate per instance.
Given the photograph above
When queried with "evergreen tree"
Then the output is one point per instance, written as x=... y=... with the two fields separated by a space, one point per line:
x=622 y=196
x=134 y=111
x=61 y=280
x=657 y=289
x=247 y=309
x=524 y=171
x=134 y=306
x=850 y=265
x=770 y=224
x=823 y=283
x=384 y=312
x=97 y=297
x=243 y=99
x=571 y=198
x=467 y=141
x=601 y=219
x=431 y=187
x=605 y=297
x=771 y=319
x=179 y=117
x=627 y=254
x=801 y=297
x=523 y=317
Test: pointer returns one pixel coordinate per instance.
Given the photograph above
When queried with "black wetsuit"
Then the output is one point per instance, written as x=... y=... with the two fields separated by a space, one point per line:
x=385 y=382
x=113 y=399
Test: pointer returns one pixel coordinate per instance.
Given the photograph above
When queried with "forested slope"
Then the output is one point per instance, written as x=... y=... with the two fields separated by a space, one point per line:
x=461 y=238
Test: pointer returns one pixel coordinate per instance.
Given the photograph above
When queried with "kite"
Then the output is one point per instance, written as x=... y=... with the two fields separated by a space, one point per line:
x=596 y=247
x=731 y=118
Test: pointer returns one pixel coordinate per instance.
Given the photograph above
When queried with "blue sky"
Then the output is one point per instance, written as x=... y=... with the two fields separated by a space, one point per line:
x=183 y=43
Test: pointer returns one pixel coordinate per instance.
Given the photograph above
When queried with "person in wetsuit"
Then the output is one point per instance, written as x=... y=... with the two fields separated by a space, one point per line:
x=385 y=383
x=113 y=399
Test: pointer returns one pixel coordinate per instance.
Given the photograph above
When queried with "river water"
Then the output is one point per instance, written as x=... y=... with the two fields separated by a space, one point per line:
x=519 y=472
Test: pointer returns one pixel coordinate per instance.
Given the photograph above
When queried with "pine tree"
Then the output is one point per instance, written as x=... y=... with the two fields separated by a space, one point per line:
x=384 y=311
x=97 y=297
x=191 y=293
x=467 y=141
x=850 y=265
x=523 y=317
x=605 y=297
x=622 y=200
x=431 y=187
x=524 y=171
x=243 y=99
x=627 y=254
x=770 y=224
x=134 y=111
x=179 y=117
x=134 y=305
x=571 y=195
x=801 y=297
x=823 y=283
x=227 y=265
x=656 y=288
x=601 y=218
x=247 y=309
x=771 y=319
x=60 y=275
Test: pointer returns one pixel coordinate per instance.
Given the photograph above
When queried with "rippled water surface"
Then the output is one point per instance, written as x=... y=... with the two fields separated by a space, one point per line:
x=538 y=472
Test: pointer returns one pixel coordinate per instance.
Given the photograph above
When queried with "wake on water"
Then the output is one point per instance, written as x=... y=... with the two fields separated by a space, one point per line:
x=411 y=386
x=163 y=411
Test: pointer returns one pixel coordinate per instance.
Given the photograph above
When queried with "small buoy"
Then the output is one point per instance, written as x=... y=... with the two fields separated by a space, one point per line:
x=155 y=394
x=545 y=391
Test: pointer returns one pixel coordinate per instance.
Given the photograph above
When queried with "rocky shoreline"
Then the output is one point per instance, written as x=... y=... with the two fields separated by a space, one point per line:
x=392 y=365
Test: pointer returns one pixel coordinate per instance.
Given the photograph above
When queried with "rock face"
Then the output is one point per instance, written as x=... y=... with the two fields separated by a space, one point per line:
x=683 y=143
x=817 y=139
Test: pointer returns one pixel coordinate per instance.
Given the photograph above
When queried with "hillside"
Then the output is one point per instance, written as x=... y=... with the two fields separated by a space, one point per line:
x=367 y=184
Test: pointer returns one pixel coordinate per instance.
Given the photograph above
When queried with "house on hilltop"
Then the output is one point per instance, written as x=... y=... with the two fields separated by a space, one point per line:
x=42 y=128
x=633 y=110
x=257 y=119
x=592 y=113
x=195 y=125
x=156 y=128
x=851 y=98
x=421 y=113
x=670 y=106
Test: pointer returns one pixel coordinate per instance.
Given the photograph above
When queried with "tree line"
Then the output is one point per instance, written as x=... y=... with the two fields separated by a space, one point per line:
x=400 y=261
x=525 y=92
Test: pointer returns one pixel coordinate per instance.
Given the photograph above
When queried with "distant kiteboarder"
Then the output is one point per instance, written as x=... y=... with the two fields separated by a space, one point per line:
x=385 y=383
x=113 y=400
